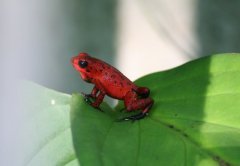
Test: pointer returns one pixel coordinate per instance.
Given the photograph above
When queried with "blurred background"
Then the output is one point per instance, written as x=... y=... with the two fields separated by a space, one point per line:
x=39 y=37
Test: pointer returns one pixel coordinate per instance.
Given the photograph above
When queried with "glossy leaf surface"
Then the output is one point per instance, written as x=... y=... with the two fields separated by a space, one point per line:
x=194 y=120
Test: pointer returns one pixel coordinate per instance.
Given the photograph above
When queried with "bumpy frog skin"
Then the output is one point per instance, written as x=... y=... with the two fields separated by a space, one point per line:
x=109 y=81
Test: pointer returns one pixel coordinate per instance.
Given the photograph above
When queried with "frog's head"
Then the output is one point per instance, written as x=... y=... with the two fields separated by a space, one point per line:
x=81 y=62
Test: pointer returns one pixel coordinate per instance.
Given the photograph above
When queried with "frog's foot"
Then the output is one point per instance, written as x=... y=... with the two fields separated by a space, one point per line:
x=87 y=95
x=88 y=99
x=134 y=117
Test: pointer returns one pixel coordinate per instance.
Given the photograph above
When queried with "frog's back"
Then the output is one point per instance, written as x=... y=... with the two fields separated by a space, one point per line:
x=114 y=82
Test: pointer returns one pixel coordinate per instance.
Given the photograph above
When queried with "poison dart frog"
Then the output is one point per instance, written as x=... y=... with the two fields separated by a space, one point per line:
x=110 y=81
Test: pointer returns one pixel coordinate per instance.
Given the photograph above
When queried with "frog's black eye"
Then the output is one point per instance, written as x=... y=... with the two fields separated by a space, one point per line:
x=83 y=64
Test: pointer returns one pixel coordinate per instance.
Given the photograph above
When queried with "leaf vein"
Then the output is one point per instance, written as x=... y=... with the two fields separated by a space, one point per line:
x=198 y=96
x=69 y=161
x=197 y=145
x=202 y=121
x=48 y=141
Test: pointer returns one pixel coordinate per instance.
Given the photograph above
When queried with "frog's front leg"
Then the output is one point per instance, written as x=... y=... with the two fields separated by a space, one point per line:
x=93 y=94
x=132 y=102
x=98 y=100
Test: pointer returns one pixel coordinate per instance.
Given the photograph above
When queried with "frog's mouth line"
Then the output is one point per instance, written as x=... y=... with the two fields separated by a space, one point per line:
x=73 y=60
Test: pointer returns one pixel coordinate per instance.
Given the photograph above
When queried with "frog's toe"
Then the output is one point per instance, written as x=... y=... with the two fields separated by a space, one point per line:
x=87 y=100
x=134 y=117
x=87 y=95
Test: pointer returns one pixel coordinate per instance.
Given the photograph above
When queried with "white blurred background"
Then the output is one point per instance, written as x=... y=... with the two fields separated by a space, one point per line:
x=155 y=36
x=39 y=37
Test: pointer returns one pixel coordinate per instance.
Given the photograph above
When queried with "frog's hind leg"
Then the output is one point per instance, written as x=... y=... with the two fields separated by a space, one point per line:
x=132 y=103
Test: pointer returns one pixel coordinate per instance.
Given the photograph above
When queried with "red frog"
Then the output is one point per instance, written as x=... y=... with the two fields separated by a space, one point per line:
x=109 y=81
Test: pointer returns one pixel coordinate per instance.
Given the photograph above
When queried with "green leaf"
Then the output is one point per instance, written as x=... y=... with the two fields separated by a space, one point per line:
x=194 y=120
x=46 y=138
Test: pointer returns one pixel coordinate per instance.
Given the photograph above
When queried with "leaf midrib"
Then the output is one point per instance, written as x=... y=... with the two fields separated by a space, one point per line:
x=202 y=121
x=162 y=99
x=190 y=141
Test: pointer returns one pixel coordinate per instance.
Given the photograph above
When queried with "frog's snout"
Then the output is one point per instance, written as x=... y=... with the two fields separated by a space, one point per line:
x=74 y=60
